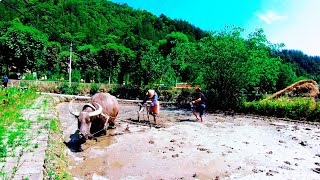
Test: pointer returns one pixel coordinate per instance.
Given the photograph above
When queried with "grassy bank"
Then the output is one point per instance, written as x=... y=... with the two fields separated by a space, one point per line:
x=56 y=161
x=12 y=127
x=22 y=110
x=284 y=107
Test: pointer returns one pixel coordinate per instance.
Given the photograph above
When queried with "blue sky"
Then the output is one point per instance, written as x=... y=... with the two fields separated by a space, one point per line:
x=296 y=23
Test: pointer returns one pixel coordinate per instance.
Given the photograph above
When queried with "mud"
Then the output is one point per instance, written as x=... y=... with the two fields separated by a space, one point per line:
x=223 y=147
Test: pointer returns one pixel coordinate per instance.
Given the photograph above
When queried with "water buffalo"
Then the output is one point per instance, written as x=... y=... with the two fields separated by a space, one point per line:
x=97 y=115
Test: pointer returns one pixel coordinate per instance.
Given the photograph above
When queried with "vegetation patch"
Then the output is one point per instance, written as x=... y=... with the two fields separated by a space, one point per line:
x=284 y=107
x=56 y=161
x=13 y=128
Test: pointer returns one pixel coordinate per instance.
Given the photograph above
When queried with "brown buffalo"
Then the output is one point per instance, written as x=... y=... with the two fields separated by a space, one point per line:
x=97 y=115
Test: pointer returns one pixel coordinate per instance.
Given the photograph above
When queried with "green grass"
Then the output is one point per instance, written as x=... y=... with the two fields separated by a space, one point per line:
x=284 y=107
x=13 y=131
x=12 y=127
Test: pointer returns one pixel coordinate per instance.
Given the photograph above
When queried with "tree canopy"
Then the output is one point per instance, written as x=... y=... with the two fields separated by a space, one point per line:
x=118 y=42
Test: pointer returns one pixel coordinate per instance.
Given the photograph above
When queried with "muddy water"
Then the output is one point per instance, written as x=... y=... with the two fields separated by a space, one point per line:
x=223 y=147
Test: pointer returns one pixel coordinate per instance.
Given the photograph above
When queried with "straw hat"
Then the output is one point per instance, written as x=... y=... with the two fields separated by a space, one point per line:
x=150 y=93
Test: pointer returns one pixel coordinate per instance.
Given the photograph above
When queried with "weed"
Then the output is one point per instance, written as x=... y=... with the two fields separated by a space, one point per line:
x=2 y=175
x=53 y=125
x=12 y=126
x=45 y=105
x=40 y=119
x=3 y=151
x=52 y=174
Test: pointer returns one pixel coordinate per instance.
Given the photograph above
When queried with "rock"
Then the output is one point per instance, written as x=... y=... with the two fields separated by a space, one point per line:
x=269 y=152
x=304 y=143
x=151 y=142
x=281 y=141
x=271 y=172
x=257 y=170
x=287 y=162
x=286 y=167
x=317 y=170
x=195 y=175
x=175 y=155
x=202 y=149
x=294 y=138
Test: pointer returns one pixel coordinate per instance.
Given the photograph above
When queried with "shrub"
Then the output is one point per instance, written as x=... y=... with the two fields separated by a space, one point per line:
x=185 y=97
x=128 y=92
x=294 y=108
x=28 y=77
x=74 y=89
x=64 y=88
x=94 y=88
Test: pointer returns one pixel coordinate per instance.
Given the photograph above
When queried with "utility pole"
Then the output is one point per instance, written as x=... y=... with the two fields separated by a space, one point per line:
x=70 y=64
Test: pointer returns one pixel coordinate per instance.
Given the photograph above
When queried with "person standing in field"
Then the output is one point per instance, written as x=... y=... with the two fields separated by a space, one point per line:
x=154 y=105
x=5 y=81
x=198 y=105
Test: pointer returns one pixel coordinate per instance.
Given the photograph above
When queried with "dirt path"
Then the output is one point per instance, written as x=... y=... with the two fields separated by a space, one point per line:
x=224 y=147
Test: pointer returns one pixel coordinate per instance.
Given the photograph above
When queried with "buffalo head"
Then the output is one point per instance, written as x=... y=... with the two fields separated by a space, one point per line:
x=85 y=118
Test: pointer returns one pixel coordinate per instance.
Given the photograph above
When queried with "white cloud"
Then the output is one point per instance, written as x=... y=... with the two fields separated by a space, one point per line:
x=270 y=17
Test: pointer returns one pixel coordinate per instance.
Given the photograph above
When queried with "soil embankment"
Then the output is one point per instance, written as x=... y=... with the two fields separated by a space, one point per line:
x=223 y=147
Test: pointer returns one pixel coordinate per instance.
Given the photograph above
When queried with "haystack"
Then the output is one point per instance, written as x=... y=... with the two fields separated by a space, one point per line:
x=307 y=88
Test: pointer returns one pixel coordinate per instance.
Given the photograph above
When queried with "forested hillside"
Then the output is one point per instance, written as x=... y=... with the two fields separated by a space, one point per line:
x=305 y=65
x=96 y=29
x=135 y=46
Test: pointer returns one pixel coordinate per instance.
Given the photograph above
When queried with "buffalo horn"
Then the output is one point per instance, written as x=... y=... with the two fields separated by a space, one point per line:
x=96 y=112
x=75 y=113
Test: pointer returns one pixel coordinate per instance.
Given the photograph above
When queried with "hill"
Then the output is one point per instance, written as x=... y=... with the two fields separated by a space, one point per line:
x=116 y=43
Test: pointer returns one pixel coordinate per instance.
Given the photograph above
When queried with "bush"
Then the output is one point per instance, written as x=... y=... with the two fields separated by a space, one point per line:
x=28 y=77
x=94 y=88
x=128 y=92
x=294 y=108
x=64 y=88
x=185 y=97
x=167 y=95
x=74 y=89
